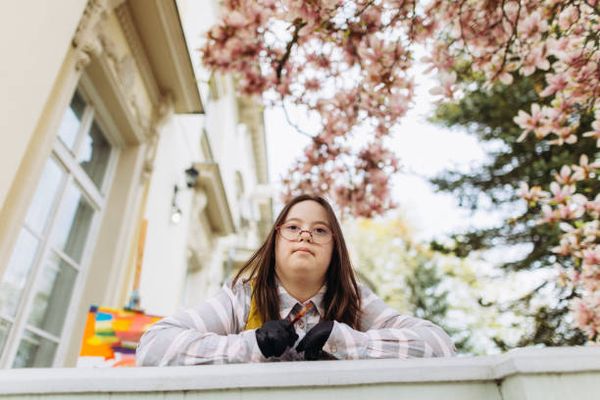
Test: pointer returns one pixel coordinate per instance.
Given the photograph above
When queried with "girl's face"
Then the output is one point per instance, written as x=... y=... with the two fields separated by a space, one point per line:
x=301 y=259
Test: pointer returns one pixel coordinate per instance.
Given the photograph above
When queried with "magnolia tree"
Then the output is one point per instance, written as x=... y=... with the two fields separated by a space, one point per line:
x=349 y=63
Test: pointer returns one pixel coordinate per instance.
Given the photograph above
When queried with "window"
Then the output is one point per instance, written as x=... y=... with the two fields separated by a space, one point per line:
x=55 y=240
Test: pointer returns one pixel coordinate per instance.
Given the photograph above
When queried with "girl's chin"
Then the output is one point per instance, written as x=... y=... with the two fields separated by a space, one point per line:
x=301 y=270
x=308 y=274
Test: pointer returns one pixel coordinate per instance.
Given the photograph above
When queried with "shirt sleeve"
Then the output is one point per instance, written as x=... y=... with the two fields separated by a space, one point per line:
x=387 y=334
x=208 y=334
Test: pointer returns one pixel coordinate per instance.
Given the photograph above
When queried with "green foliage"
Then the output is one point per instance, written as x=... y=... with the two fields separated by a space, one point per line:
x=417 y=281
x=488 y=115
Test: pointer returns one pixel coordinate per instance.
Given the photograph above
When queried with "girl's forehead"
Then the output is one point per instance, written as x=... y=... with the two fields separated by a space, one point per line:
x=308 y=211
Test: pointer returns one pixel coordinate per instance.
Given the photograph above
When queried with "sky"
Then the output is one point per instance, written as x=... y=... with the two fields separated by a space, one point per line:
x=424 y=150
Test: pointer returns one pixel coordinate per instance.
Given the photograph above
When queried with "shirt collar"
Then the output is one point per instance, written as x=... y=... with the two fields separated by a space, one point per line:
x=287 y=301
x=317 y=300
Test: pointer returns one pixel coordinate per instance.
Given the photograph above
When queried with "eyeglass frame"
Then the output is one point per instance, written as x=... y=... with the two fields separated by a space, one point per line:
x=278 y=229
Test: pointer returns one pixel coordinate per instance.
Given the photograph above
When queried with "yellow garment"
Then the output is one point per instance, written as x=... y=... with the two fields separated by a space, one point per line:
x=254 y=319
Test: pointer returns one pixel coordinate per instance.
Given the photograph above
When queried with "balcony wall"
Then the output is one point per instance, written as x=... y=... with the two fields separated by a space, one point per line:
x=523 y=374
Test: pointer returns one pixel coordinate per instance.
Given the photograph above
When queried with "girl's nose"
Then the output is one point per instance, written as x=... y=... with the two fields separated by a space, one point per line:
x=308 y=236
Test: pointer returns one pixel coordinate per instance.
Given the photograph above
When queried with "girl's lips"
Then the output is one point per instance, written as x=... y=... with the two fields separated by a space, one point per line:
x=303 y=250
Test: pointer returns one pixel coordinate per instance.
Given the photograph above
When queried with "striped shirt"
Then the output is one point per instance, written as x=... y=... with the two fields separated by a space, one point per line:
x=213 y=333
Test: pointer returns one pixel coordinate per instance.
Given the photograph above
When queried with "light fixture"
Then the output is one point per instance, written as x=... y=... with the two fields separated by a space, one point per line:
x=191 y=180
x=176 y=212
x=191 y=177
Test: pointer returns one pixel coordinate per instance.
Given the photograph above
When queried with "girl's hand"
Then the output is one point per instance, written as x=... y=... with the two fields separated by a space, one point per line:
x=275 y=336
x=312 y=344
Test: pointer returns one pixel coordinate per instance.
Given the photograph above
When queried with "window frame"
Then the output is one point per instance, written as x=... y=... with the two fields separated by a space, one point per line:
x=97 y=198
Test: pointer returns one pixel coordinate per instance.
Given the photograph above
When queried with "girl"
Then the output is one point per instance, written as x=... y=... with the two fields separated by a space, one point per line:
x=296 y=298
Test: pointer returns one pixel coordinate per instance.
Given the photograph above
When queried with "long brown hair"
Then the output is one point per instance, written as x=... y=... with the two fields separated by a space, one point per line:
x=341 y=300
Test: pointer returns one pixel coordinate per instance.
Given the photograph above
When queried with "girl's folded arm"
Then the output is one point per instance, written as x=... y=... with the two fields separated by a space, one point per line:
x=208 y=334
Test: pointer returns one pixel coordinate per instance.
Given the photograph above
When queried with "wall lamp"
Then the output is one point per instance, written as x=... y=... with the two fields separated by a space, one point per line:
x=191 y=177
x=191 y=180
x=176 y=212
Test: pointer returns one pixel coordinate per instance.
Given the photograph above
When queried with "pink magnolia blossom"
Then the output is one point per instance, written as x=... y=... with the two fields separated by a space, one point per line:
x=555 y=83
x=560 y=194
x=549 y=215
x=236 y=19
x=567 y=243
x=568 y=17
x=595 y=132
x=591 y=256
x=586 y=316
x=447 y=85
x=564 y=177
x=531 y=195
x=565 y=135
x=349 y=62
x=593 y=207
x=527 y=122
x=591 y=231
x=568 y=211
x=533 y=26
x=584 y=170
x=535 y=59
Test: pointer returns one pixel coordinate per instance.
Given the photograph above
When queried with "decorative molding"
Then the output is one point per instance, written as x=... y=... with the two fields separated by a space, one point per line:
x=129 y=68
x=149 y=157
x=123 y=14
x=92 y=14
x=124 y=70
x=164 y=108
x=84 y=57
x=123 y=66
x=87 y=39
x=151 y=127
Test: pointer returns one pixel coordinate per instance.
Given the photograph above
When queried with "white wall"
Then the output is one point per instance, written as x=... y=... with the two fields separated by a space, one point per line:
x=34 y=39
x=165 y=256
x=221 y=115
x=165 y=268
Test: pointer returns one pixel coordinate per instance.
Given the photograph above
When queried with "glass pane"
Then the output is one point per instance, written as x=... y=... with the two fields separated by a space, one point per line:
x=94 y=155
x=44 y=197
x=73 y=223
x=52 y=295
x=34 y=351
x=15 y=277
x=71 y=121
x=4 y=327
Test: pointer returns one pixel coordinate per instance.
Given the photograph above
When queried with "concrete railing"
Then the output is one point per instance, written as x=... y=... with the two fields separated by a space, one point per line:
x=523 y=374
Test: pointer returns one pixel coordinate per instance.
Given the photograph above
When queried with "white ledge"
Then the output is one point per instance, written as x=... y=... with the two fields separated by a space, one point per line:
x=295 y=374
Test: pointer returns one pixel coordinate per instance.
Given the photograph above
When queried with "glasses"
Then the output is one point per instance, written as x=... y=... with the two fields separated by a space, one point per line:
x=319 y=234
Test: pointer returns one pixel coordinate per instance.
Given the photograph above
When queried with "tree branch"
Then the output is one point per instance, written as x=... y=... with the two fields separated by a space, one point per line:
x=298 y=25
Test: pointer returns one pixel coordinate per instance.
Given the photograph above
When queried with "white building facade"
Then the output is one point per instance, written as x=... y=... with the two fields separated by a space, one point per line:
x=103 y=111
